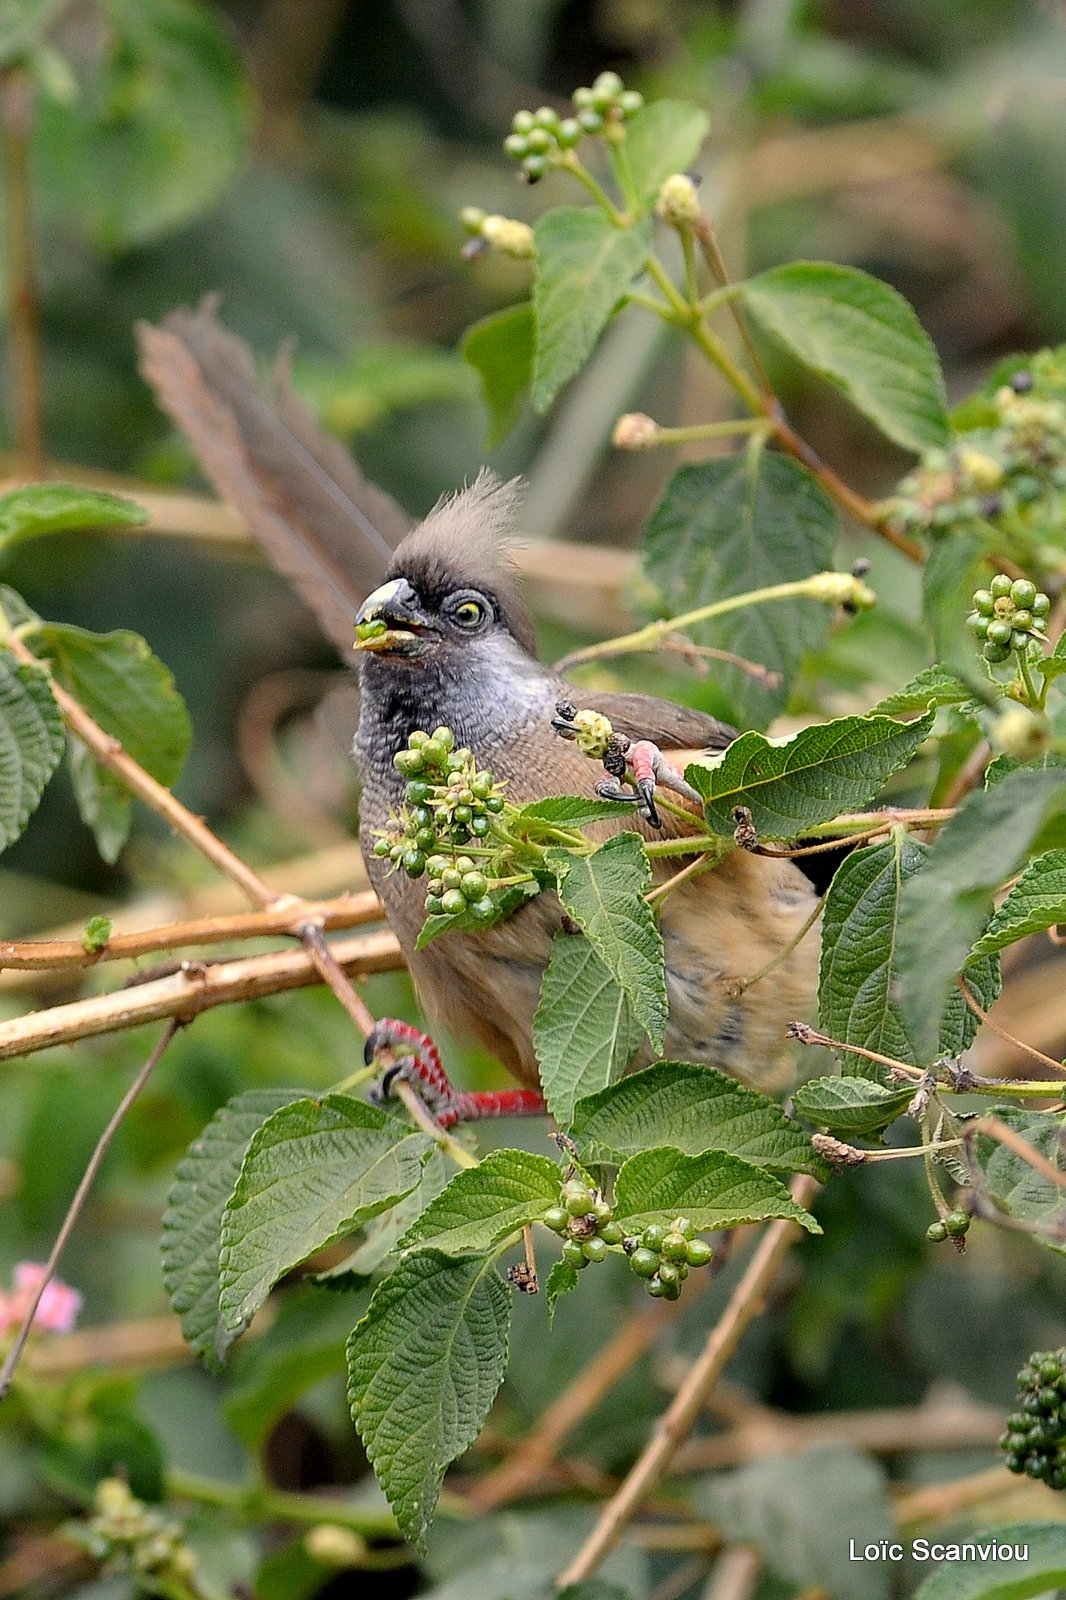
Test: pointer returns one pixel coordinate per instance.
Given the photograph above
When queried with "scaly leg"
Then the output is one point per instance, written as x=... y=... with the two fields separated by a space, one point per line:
x=418 y=1063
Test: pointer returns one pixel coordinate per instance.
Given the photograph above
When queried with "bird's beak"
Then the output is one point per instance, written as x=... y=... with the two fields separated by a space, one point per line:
x=391 y=621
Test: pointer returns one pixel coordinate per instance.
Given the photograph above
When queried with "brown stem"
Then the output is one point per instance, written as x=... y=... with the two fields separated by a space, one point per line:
x=333 y=974
x=804 y=1034
x=196 y=986
x=1008 y=1038
x=81 y=1194
x=937 y=1501
x=26 y=382
x=346 y=911
x=110 y=754
x=997 y=1129
x=745 y=1304
x=707 y=239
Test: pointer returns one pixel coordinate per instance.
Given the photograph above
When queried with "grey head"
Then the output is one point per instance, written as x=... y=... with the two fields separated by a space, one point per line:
x=458 y=645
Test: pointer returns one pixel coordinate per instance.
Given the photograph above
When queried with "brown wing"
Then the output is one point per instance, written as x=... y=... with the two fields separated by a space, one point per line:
x=671 y=727
x=318 y=520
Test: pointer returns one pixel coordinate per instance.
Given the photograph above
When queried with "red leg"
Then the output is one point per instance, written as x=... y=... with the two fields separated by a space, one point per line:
x=418 y=1062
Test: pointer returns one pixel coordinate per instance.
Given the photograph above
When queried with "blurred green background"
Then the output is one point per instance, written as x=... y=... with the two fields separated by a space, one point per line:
x=306 y=159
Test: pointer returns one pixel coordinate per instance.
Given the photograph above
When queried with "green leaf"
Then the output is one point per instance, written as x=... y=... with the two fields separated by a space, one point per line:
x=694 y=1109
x=662 y=138
x=31 y=743
x=487 y=1204
x=714 y=1189
x=863 y=338
x=583 y=266
x=800 y=1511
x=984 y=1576
x=562 y=1279
x=858 y=989
x=315 y=1170
x=571 y=811
x=192 y=1222
x=131 y=694
x=1018 y=1188
x=584 y=1032
x=1037 y=901
x=160 y=126
x=424 y=1366
x=500 y=349
x=382 y=1233
x=62 y=508
x=728 y=526
x=791 y=784
x=933 y=686
x=851 y=1106
x=943 y=906
x=604 y=893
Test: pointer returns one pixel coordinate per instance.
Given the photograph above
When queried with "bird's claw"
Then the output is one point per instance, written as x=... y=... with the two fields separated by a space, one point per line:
x=415 y=1060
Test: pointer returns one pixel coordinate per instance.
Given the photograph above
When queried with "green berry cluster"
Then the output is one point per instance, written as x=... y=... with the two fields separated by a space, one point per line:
x=956 y=1225
x=136 y=1538
x=443 y=828
x=1009 y=615
x=662 y=1256
x=540 y=138
x=1035 y=1440
x=585 y=1221
x=1008 y=467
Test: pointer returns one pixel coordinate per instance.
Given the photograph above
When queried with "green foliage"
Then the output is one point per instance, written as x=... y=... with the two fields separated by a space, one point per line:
x=62 y=508
x=859 y=988
x=725 y=527
x=192 y=1222
x=714 y=1189
x=315 y=1170
x=862 y=337
x=792 y=784
x=604 y=893
x=424 y=1366
x=1018 y=1188
x=500 y=350
x=131 y=695
x=851 y=1106
x=695 y=1109
x=984 y=1577
x=793 y=1509
x=1037 y=901
x=584 y=1030
x=944 y=905
x=662 y=138
x=31 y=743
x=487 y=1205
x=584 y=265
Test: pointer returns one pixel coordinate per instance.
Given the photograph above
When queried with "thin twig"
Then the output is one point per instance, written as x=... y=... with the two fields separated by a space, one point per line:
x=695 y=867
x=419 y=1113
x=332 y=973
x=1008 y=1038
x=7 y=1371
x=735 y=1575
x=745 y=1304
x=196 y=986
x=110 y=754
x=27 y=385
x=937 y=1501
x=345 y=911
x=997 y=1129
x=803 y=1033
x=739 y=986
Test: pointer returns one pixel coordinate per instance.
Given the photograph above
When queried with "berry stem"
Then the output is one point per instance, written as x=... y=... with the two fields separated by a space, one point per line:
x=570 y=163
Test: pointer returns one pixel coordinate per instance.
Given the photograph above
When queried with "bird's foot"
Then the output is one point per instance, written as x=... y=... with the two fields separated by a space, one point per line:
x=641 y=764
x=416 y=1061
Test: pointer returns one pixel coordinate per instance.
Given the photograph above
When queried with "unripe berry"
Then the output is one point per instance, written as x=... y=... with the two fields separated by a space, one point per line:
x=414 y=863
x=996 y=653
x=611 y=1232
x=675 y=1247
x=594 y=1249
x=957 y=1224
x=522 y=121
x=546 y=117
x=495 y=804
x=573 y=1253
x=590 y=121
x=482 y=910
x=452 y=902
x=432 y=753
x=434 y=905
x=685 y=1227
x=657 y=1288
x=699 y=1253
x=1019 y=641
x=534 y=168
x=382 y=847
x=1041 y=605
x=516 y=147
x=936 y=1233
x=630 y=102
x=1023 y=592
x=669 y=1272
x=999 y=632
x=539 y=142
x=1023 y=620
x=426 y=838
x=451 y=878
x=607 y=83
x=582 y=98
x=568 y=133
x=408 y=762
x=979 y=623
x=474 y=885
x=982 y=600
x=653 y=1236
x=471 y=218
x=1000 y=586
x=678 y=203
x=645 y=1263
x=446 y=738
x=555 y=1218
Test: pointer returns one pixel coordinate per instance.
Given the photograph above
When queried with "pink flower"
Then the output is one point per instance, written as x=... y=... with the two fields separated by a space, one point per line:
x=59 y=1307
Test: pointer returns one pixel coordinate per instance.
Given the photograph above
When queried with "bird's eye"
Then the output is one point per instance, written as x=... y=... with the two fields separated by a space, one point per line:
x=468 y=611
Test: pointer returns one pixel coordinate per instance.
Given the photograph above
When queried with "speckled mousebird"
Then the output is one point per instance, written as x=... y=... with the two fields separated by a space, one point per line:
x=463 y=653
